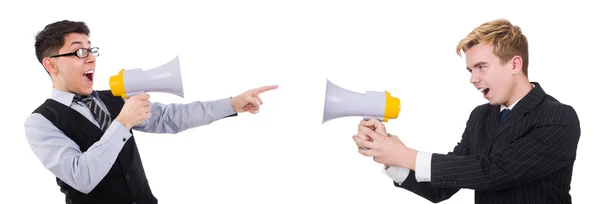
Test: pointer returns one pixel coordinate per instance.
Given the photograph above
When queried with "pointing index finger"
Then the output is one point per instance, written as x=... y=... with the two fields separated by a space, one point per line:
x=266 y=88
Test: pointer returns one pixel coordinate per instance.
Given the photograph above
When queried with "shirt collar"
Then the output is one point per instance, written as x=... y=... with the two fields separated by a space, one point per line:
x=64 y=97
x=502 y=107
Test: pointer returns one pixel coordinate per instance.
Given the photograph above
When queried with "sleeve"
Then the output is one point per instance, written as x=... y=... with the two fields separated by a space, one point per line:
x=62 y=156
x=396 y=173
x=416 y=182
x=423 y=169
x=174 y=118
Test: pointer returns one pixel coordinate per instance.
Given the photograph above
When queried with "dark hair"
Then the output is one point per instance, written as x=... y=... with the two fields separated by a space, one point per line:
x=52 y=38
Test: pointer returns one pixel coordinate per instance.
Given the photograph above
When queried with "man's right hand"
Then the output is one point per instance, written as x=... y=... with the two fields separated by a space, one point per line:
x=135 y=111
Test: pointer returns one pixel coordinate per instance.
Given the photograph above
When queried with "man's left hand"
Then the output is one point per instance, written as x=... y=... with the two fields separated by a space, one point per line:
x=250 y=100
x=385 y=148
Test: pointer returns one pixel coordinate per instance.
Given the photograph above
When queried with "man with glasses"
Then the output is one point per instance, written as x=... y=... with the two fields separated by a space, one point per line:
x=85 y=137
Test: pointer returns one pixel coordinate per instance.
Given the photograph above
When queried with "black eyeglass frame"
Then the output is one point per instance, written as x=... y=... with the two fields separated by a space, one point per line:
x=81 y=53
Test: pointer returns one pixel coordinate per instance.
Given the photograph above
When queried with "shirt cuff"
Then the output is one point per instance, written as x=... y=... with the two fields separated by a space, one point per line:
x=116 y=129
x=223 y=108
x=398 y=174
x=423 y=167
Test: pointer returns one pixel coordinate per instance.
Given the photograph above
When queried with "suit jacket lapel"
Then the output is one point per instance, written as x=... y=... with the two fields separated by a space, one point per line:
x=493 y=119
x=525 y=105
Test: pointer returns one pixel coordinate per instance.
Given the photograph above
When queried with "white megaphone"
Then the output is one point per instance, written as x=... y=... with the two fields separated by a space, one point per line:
x=165 y=78
x=340 y=102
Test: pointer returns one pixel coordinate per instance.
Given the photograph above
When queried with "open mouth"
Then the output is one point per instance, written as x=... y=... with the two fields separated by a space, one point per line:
x=89 y=75
x=485 y=91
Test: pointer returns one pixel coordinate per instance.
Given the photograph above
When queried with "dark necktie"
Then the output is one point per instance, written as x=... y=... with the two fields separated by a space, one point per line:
x=101 y=117
x=504 y=113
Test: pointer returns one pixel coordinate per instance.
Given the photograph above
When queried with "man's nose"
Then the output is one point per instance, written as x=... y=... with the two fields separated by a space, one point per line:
x=90 y=58
x=474 y=78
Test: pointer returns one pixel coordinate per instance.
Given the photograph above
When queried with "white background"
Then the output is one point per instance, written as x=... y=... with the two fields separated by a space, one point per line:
x=284 y=154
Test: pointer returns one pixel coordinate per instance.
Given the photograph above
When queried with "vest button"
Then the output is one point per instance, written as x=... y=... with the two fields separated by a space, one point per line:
x=128 y=176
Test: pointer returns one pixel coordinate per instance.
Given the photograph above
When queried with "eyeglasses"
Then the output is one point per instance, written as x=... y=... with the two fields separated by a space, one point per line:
x=81 y=53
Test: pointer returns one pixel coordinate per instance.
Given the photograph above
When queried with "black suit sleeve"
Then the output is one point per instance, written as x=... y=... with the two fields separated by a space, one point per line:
x=433 y=193
x=550 y=145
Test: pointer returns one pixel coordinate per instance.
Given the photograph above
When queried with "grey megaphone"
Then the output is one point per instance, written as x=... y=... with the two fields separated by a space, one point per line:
x=340 y=102
x=165 y=78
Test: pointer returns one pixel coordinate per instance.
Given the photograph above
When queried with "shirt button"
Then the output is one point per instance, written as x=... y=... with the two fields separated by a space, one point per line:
x=124 y=139
x=128 y=176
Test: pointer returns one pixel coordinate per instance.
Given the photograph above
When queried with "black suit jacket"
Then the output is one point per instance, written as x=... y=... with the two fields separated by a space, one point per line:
x=526 y=158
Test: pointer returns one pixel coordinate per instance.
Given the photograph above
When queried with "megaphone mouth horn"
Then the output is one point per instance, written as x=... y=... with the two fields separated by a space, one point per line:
x=325 y=119
x=340 y=102
x=165 y=78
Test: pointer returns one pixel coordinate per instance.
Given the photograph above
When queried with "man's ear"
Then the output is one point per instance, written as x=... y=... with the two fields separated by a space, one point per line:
x=50 y=65
x=516 y=64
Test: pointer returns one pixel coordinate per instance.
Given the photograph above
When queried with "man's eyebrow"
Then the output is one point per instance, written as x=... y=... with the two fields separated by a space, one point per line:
x=477 y=64
x=79 y=42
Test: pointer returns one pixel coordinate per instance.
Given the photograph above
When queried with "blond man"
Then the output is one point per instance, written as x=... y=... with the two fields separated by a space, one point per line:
x=518 y=148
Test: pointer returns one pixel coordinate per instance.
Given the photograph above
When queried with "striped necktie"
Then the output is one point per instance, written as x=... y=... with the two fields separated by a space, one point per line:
x=101 y=117
x=504 y=113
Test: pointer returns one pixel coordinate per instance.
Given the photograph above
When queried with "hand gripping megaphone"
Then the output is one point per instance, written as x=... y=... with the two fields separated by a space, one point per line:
x=165 y=78
x=340 y=102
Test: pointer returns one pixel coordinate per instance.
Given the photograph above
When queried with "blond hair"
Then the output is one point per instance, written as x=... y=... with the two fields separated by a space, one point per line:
x=507 y=41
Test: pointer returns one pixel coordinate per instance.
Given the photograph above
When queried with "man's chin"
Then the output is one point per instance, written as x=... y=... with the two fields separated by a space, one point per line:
x=494 y=103
x=86 y=91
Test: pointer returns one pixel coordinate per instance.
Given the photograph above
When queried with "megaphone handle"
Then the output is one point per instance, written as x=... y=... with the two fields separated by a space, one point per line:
x=130 y=94
x=369 y=117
